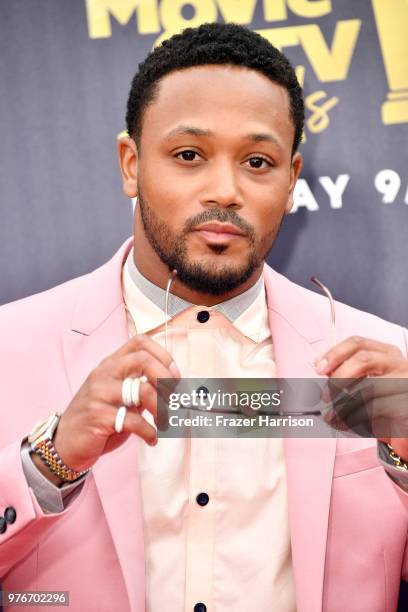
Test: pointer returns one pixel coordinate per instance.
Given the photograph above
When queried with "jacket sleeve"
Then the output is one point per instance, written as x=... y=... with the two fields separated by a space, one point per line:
x=402 y=492
x=31 y=522
x=51 y=498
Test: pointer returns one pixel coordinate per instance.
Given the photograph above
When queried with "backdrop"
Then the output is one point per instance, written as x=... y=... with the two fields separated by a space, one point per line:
x=66 y=68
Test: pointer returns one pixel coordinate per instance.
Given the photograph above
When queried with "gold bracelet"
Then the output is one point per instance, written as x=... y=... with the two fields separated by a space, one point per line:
x=46 y=451
x=400 y=463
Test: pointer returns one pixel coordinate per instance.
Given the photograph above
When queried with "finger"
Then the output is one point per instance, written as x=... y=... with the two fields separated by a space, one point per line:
x=100 y=418
x=386 y=388
x=383 y=415
x=134 y=423
x=109 y=391
x=140 y=363
x=345 y=349
x=145 y=343
x=350 y=418
x=365 y=362
x=382 y=418
x=341 y=390
x=390 y=415
x=345 y=404
x=148 y=399
x=336 y=387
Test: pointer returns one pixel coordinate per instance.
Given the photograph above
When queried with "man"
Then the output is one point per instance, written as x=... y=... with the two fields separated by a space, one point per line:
x=103 y=509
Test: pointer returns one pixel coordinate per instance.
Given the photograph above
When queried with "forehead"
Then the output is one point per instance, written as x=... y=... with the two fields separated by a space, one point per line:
x=219 y=98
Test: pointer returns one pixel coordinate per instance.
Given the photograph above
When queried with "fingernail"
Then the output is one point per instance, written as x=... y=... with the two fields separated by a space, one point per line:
x=326 y=397
x=330 y=416
x=174 y=370
x=322 y=366
x=153 y=442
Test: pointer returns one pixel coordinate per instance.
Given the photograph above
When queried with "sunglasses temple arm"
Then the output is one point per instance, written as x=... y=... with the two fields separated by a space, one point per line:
x=166 y=305
x=329 y=296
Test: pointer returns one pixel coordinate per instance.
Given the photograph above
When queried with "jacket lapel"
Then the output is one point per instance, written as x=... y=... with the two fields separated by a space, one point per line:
x=298 y=339
x=98 y=329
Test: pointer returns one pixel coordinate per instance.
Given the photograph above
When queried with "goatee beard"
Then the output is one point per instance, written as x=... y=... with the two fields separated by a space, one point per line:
x=206 y=279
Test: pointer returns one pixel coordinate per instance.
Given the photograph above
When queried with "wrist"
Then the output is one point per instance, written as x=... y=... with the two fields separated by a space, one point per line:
x=398 y=460
x=45 y=471
x=41 y=443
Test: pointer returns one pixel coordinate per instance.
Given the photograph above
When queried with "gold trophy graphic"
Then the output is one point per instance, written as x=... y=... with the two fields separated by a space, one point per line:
x=391 y=17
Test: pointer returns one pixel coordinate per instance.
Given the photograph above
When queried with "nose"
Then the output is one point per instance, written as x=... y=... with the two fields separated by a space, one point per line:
x=222 y=186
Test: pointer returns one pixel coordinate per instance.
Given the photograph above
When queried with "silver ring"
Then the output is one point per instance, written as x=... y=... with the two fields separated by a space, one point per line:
x=135 y=390
x=127 y=392
x=120 y=419
x=131 y=390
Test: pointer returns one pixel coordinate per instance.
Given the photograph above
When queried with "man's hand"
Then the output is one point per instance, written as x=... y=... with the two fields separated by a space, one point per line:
x=86 y=428
x=361 y=358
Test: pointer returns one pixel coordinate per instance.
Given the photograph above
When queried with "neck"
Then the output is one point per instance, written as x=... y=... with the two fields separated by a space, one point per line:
x=150 y=265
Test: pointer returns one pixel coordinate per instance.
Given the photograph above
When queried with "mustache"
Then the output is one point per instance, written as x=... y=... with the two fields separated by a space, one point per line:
x=221 y=215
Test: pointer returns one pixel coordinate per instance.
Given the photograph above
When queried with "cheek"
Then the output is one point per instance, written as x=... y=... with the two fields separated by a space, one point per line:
x=265 y=215
x=267 y=204
x=172 y=199
x=165 y=196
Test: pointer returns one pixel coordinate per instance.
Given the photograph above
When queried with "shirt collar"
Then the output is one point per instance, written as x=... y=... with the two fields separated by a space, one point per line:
x=145 y=303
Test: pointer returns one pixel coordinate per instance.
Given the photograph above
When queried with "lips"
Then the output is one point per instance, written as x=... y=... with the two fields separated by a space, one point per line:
x=218 y=233
x=220 y=228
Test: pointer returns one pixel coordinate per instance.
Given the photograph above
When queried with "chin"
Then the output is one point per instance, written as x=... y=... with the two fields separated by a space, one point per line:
x=215 y=263
x=219 y=253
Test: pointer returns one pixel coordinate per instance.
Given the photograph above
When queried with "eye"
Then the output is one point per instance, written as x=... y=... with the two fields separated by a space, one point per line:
x=258 y=162
x=188 y=155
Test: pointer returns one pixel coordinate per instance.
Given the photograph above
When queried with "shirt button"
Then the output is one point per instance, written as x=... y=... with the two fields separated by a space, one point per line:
x=10 y=515
x=202 y=499
x=200 y=607
x=203 y=317
x=3 y=524
x=202 y=391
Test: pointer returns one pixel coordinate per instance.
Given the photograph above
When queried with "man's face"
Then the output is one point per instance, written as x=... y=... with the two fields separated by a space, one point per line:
x=215 y=174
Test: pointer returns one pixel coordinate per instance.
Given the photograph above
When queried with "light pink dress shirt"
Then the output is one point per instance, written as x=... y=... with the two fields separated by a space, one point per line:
x=233 y=554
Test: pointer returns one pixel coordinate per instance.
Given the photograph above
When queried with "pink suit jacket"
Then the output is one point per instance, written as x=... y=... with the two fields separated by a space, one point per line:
x=348 y=520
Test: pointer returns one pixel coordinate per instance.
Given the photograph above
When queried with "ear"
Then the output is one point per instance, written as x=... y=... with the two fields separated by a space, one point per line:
x=295 y=169
x=128 y=158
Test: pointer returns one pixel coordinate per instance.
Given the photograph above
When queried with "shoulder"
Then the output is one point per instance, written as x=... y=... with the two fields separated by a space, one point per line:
x=37 y=315
x=94 y=294
x=350 y=321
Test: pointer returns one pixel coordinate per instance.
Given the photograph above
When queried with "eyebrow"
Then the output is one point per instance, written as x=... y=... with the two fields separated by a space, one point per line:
x=185 y=130
x=263 y=137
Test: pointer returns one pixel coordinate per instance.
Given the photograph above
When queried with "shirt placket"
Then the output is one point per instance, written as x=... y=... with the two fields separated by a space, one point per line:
x=202 y=486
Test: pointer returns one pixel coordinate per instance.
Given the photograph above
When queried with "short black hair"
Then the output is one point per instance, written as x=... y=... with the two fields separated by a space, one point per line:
x=212 y=43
